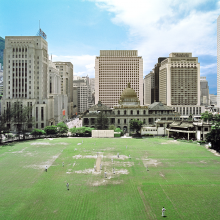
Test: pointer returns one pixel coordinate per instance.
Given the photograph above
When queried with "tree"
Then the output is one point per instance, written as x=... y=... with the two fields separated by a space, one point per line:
x=136 y=124
x=102 y=121
x=111 y=127
x=21 y=117
x=73 y=130
x=119 y=130
x=214 y=136
x=62 y=128
x=207 y=116
x=88 y=130
x=190 y=117
x=216 y=118
x=51 y=130
x=38 y=132
x=81 y=130
x=3 y=119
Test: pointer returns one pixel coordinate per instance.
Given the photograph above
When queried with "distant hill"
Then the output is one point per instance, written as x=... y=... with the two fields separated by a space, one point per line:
x=2 y=47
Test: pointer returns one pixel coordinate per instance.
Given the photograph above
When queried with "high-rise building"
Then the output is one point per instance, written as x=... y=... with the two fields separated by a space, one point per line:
x=29 y=78
x=84 y=95
x=148 y=79
x=179 y=83
x=66 y=73
x=151 y=94
x=114 y=69
x=218 y=61
x=213 y=99
x=204 y=91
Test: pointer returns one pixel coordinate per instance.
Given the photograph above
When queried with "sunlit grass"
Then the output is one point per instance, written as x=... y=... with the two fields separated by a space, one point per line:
x=182 y=177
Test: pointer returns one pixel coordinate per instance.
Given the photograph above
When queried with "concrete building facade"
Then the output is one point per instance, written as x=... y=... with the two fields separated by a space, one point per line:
x=152 y=93
x=113 y=70
x=213 y=99
x=204 y=91
x=147 y=88
x=82 y=88
x=66 y=74
x=179 y=81
x=27 y=79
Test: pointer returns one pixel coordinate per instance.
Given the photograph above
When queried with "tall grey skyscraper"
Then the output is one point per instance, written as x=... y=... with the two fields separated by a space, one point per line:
x=218 y=61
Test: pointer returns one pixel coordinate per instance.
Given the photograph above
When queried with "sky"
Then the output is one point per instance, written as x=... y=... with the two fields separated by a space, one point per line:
x=78 y=29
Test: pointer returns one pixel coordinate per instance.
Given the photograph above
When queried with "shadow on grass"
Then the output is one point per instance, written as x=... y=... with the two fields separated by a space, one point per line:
x=10 y=144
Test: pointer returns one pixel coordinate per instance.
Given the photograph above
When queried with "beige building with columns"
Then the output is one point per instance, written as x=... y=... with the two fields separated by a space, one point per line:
x=32 y=80
x=113 y=70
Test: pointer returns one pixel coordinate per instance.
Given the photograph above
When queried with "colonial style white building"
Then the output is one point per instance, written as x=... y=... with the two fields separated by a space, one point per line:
x=128 y=108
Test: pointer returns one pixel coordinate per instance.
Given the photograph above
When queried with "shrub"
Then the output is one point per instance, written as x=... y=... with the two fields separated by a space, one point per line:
x=51 y=130
x=62 y=128
x=117 y=135
x=81 y=131
x=38 y=132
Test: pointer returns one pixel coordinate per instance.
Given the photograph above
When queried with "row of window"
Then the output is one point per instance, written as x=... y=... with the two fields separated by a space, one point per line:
x=131 y=112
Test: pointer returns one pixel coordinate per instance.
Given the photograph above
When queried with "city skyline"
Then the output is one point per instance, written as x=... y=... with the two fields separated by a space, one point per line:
x=77 y=31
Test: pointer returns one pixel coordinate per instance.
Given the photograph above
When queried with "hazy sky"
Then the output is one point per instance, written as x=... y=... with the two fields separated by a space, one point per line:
x=78 y=29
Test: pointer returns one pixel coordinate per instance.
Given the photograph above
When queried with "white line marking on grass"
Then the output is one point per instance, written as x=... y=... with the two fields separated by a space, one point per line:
x=180 y=175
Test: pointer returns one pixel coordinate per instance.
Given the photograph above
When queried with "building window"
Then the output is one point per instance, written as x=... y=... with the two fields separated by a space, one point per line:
x=36 y=114
x=118 y=112
x=42 y=125
x=131 y=112
x=137 y=112
x=118 y=121
x=144 y=112
x=42 y=113
x=36 y=125
x=124 y=121
x=125 y=112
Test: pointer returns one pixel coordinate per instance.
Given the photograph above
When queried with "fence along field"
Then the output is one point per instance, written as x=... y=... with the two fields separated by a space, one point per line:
x=182 y=177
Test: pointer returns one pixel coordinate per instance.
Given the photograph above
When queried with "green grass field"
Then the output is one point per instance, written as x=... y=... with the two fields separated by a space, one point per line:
x=182 y=177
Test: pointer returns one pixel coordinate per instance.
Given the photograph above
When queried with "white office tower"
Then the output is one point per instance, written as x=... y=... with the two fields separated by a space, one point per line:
x=218 y=61
x=114 y=69
x=27 y=78
x=179 y=83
